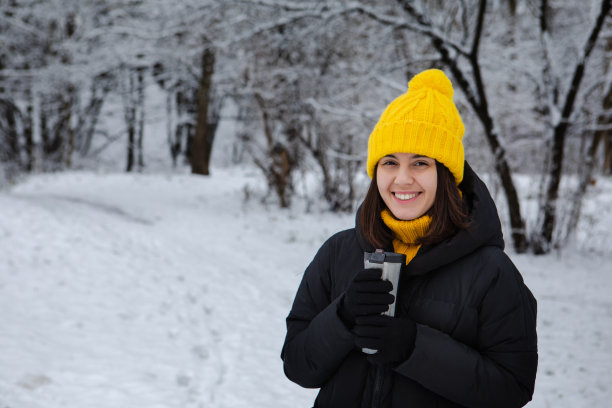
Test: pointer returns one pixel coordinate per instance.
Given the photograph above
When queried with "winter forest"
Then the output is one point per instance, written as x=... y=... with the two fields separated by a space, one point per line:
x=133 y=133
x=302 y=84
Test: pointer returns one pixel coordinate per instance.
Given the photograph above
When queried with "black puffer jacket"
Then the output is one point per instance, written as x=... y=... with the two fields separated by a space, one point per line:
x=476 y=340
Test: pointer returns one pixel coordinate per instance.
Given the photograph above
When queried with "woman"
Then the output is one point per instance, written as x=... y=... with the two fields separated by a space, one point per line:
x=464 y=331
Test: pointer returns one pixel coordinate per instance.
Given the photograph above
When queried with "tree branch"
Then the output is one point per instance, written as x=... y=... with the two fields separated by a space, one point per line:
x=425 y=27
x=570 y=98
x=482 y=8
x=545 y=238
x=327 y=13
x=480 y=88
x=478 y=100
x=550 y=88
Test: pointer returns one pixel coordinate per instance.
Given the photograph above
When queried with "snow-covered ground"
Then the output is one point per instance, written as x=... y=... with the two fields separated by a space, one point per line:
x=170 y=291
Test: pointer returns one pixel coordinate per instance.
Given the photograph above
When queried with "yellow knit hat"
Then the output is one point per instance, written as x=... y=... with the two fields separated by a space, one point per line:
x=423 y=121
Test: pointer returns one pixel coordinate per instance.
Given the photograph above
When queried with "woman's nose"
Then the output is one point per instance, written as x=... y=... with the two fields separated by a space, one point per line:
x=404 y=176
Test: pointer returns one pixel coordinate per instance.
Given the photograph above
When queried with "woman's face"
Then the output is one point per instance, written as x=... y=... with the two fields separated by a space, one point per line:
x=407 y=183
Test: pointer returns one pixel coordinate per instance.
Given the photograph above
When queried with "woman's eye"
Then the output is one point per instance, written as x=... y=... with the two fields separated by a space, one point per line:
x=388 y=163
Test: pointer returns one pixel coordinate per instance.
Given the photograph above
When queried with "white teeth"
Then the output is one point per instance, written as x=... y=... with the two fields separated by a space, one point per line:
x=405 y=196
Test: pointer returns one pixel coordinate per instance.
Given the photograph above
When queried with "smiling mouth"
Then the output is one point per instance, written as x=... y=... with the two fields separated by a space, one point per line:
x=405 y=197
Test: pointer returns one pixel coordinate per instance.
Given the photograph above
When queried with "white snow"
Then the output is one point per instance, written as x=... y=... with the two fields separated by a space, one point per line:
x=144 y=290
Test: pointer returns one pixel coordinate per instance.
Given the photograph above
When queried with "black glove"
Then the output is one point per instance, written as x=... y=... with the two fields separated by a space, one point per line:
x=366 y=295
x=393 y=337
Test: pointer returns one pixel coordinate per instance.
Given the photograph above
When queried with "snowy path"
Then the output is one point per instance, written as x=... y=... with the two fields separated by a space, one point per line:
x=170 y=291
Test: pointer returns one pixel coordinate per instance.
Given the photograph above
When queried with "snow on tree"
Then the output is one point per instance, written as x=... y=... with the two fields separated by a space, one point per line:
x=308 y=80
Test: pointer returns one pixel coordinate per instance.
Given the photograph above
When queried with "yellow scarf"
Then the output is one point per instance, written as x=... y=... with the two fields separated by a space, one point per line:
x=406 y=233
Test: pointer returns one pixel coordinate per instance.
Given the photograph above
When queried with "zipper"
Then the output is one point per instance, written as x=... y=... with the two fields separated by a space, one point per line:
x=378 y=382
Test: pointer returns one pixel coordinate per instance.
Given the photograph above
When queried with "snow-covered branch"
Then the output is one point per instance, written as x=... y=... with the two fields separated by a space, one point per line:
x=340 y=112
x=23 y=26
x=577 y=76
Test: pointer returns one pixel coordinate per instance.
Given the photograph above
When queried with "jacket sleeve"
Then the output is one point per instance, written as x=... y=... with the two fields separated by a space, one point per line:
x=500 y=371
x=317 y=341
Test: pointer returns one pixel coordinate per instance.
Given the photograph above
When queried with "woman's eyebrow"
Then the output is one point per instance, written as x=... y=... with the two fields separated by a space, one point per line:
x=416 y=156
x=420 y=156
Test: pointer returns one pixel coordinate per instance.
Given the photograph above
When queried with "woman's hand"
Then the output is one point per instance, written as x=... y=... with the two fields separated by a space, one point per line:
x=393 y=337
x=366 y=295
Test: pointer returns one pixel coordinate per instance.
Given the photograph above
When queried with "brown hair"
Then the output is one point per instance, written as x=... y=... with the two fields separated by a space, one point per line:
x=448 y=213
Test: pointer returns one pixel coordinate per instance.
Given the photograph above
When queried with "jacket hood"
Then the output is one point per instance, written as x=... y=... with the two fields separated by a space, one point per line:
x=484 y=229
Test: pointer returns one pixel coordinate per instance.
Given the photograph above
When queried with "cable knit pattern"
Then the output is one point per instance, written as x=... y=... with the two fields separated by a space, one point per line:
x=406 y=233
x=424 y=120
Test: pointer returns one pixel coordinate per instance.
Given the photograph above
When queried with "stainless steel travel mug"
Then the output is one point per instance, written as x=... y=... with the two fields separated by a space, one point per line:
x=391 y=264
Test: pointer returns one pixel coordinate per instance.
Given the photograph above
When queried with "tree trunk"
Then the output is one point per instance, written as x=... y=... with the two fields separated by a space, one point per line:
x=502 y=168
x=44 y=129
x=585 y=179
x=278 y=165
x=56 y=112
x=129 y=108
x=202 y=141
x=607 y=162
x=28 y=134
x=68 y=128
x=605 y=120
x=478 y=100
x=9 y=139
x=282 y=174
x=130 y=148
x=543 y=242
x=140 y=109
x=88 y=121
x=171 y=132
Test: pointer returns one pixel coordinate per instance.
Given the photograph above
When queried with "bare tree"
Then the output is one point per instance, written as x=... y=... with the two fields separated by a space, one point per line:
x=101 y=85
x=10 y=150
x=338 y=167
x=201 y=148
x=308 y=66
x=470 y=80
x=278 y=162
x=312 y=77
x=458 y=38
x=46 y=77
x=543 y=239
x=593 y=138
x=132 y=93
